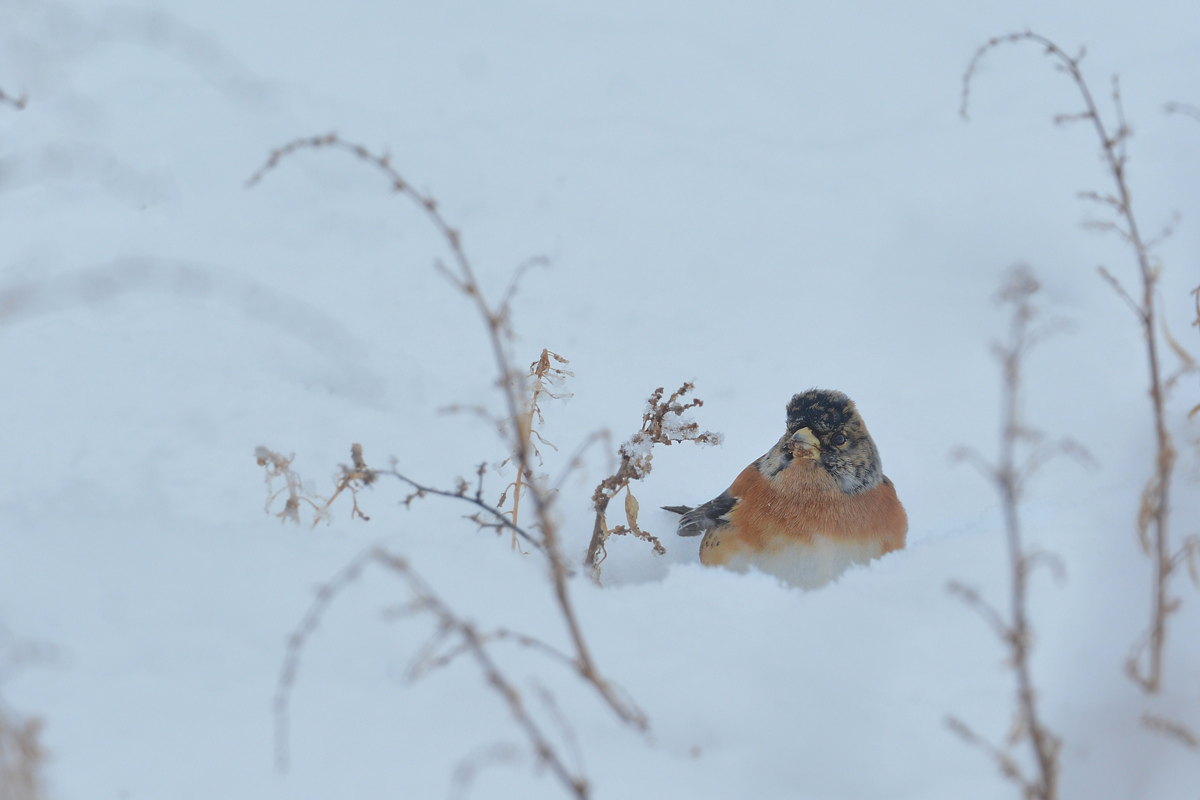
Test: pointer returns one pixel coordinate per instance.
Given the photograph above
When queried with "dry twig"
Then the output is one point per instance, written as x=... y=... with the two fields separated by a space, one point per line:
x=469 y=768
x=1010 y=474
x=495 y=517
x=1153 y=515
x=466 y=639
x=350 y=479
x=1184 y=109
x=664 y=423
x=18 y=103
x=497 y=326
x=543 y=376
x=21 y=757
x=1172 y=729
x=1196 y=324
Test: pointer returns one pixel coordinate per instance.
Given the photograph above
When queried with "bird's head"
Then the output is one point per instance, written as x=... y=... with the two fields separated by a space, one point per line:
x=826 y=427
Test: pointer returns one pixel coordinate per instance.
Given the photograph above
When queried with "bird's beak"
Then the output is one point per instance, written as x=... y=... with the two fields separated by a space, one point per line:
x=805 y=444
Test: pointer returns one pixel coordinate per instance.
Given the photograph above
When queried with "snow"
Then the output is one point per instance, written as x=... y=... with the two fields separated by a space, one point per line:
x=759 y=198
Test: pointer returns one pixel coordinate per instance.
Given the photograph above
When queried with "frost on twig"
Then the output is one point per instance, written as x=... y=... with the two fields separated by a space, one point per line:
x=546 y=376
x=663 y=423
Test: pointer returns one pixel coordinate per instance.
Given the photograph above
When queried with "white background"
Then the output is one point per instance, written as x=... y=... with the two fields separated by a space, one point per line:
x=758 y=197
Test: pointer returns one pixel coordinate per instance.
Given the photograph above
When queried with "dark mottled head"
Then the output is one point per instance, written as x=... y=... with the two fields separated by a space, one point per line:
x=843 y=446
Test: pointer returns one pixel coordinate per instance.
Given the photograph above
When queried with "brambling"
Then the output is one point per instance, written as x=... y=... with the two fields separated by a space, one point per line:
x=816 y=503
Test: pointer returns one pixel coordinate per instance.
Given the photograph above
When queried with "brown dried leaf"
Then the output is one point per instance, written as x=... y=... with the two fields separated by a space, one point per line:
x=631 y=511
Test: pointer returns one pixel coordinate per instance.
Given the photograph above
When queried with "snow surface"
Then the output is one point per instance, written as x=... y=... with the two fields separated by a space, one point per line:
x=759 y=197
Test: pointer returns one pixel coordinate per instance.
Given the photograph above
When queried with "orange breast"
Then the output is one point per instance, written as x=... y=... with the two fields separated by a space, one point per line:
x=801 y=506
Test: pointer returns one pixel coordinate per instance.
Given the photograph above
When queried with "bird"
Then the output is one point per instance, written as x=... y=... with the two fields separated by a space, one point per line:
x=815 y=504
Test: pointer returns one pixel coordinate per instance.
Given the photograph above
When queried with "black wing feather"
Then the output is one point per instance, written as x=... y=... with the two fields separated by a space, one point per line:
x=703 y=518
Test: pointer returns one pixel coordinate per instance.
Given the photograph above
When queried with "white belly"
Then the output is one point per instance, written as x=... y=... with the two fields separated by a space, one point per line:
x=809 y=566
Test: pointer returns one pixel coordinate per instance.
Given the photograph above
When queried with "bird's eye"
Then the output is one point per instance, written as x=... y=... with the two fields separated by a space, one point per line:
x=838 y=440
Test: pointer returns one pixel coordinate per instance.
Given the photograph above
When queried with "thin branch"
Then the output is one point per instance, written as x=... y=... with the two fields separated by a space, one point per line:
x=350 y=479
x=543 y=749
x=1167 y=232
x=566 y=732
x=985 y=609
x=1008 y=475
x=449 y=625
x=1007 y=766
x=469 y=768
x=1112 y=281
x=295 y=647
x=18 y=103
x=549 y=370
x=22 y=757
x=663 y=423
x=1184 y=109
x=498 y=334
x=576 y=461
x=1172 y=729
x=973 y=457
x=1154 y=513
x=1052 y=561
x=515 y=282
x=429 y=662
x=498 y=518
x=499 y=338
x=1045 y=453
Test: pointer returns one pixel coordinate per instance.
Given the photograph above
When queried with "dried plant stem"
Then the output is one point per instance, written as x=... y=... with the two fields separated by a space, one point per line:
x=469 y=768
x=663 y=423
x=22 y=754
x=495 y=517
x=516 y=509
x=582 y=661
x=1196 y=324
x=351 y=479
x=542 y=374
x=1009 y=475
x=1045 y=744
x=1186 y=109
x=498 y=331
x=18 y=103
x=22 y=758
x=295 y=647
x=1154 y=513
x=1172 y=729
x=473 y=643
x=449 y=625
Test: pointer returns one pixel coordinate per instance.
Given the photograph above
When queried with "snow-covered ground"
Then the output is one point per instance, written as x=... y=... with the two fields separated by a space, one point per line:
x=758 y=197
